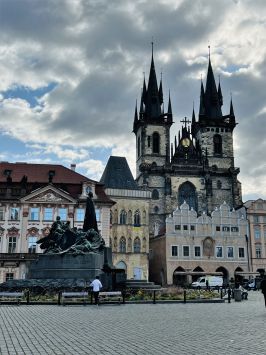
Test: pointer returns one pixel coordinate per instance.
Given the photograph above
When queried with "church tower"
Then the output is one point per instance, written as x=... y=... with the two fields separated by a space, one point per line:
x=213 y=132
x=152 y=130
x=152 y=127
x=198 y=167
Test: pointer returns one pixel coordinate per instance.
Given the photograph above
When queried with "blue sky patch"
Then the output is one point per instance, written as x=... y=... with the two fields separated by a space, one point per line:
x=28 y=94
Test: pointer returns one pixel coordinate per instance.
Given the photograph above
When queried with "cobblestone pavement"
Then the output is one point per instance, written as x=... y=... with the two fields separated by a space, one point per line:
x=235 y=328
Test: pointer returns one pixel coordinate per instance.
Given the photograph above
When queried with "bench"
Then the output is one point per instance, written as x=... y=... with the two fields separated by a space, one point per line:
x=11 y=296
x=111 y=296
x=74 y=296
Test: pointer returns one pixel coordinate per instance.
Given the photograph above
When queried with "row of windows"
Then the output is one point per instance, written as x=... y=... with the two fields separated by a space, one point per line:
x=12 y=244
x=218 y=228
x=257 y=233
x=217 y=129
x=154 y=140
x=197 y=251
x=126 y=246
x=259 y=219
x=49 y=214
x=128 y=217
x=258 y=251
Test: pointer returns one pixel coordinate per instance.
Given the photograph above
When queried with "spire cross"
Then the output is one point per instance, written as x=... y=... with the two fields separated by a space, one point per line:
x=209 y=51
x=186 y=121
x=152 y=46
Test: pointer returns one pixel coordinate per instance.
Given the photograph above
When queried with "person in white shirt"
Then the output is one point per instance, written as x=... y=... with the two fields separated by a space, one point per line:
x=96 y=286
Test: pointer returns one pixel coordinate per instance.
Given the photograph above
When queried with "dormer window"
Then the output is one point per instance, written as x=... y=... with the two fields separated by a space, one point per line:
x=51 y=175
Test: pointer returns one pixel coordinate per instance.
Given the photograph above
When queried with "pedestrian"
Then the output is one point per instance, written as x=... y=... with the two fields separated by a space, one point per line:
x=96 y=286
x=263 y=287
x=207 y=285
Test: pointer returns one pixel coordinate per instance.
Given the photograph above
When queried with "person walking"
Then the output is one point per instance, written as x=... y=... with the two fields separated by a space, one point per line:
x=96 y=286
x=263 y=287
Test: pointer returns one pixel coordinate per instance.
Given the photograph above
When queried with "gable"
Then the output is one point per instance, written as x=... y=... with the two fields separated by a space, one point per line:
x=48 y=194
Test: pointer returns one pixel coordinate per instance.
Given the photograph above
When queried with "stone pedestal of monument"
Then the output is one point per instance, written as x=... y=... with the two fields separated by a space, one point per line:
x=67 y=266
x=73 y=267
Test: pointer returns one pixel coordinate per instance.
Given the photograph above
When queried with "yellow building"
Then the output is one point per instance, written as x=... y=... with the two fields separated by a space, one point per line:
x=129 y=219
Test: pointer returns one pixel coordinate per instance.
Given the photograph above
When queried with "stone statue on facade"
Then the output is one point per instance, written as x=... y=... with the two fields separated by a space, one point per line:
x=65 y=240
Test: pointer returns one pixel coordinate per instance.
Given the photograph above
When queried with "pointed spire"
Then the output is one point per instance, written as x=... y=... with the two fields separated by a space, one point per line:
x=136 y=113
x=193 y=118
x=193 y=122
x=220 y=95
x=141 y=107
x=212 y=105
x=144 y=90
x=161 y=90
x=202 y=95
x=152 y=103
x=232 y=114
x=169 y=111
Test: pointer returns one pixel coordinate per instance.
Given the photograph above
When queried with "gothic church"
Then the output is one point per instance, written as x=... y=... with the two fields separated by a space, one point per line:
x=198 y=167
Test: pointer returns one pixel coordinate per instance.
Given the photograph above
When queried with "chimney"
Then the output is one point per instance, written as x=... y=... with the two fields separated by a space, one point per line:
x=73 y=167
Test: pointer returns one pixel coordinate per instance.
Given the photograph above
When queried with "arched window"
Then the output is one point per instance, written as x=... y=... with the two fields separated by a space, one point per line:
x=187 y=192
x=217 y=144
x=155 y=194
x=32 y=244
x=121 y=265
x=155 y=143
x=115 y=243
x=138 y=146
x=129 y=217
x=122 y=245
x=123 y=217
x=115 y=220
x=111 y=217
x=144 y=245
x=137 y=219
x=144 y=217
x=219 y=184
x=137 y=245
x=129 y=245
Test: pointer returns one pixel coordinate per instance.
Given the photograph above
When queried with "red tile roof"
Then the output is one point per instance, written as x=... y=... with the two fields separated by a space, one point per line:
x=40 y=173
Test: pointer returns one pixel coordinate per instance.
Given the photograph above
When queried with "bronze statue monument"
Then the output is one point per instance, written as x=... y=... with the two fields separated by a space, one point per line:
x=65 y=240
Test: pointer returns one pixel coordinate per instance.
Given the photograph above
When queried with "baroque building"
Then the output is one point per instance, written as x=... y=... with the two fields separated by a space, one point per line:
x=129 y=234
x=31 y=197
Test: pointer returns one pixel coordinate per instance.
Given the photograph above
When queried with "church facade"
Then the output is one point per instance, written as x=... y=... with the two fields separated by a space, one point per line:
x=197 y=168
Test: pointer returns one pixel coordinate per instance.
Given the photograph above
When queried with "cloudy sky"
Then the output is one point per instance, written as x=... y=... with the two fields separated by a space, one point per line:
x=71 y=71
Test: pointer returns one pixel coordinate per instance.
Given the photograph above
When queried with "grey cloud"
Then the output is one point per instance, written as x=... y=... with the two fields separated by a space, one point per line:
x=97 y=51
